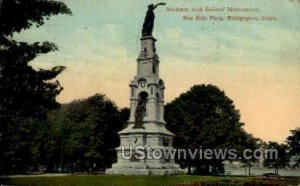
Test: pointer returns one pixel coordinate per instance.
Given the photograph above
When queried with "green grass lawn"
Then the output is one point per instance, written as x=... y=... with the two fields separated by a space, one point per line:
x=102 y=180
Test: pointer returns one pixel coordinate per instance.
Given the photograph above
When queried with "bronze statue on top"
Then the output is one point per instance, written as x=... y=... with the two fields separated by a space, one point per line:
x=149 y=20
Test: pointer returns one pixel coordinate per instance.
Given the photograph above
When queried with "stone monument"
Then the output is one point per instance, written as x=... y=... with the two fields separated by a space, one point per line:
x=146 y=125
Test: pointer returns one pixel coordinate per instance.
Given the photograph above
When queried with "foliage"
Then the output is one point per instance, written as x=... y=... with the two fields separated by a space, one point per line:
x=25 y=92
x=281 y=161
x=16 y=15
x=294 y=145
x=204 y=117
x=81 y=136
x=250 y=143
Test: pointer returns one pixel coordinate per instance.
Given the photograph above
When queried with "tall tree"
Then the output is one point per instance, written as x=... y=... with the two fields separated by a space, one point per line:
x=294 y=144
x=204 y=117
x=24 y=91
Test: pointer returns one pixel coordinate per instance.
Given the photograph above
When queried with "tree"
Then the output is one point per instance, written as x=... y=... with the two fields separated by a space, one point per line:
x=250 y=143
x=24 y=91
x=293 y=142
x=281 y=161
x=82 y=135
x=204 y=117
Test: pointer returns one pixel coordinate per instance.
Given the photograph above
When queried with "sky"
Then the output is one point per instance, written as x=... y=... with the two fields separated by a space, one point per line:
x=256 y=63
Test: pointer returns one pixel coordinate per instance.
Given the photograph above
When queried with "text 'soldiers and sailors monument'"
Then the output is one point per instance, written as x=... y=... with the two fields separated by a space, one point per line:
x=146 y=125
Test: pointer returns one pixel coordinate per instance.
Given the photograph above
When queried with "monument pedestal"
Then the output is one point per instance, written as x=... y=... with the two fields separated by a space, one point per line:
x=145 y=151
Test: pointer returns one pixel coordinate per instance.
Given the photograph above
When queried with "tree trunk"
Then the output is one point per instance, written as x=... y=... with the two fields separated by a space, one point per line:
x=249 y=168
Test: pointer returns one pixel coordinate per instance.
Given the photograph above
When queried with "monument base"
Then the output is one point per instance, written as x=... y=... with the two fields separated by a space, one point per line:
x=146 y=172
x=154 y=136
